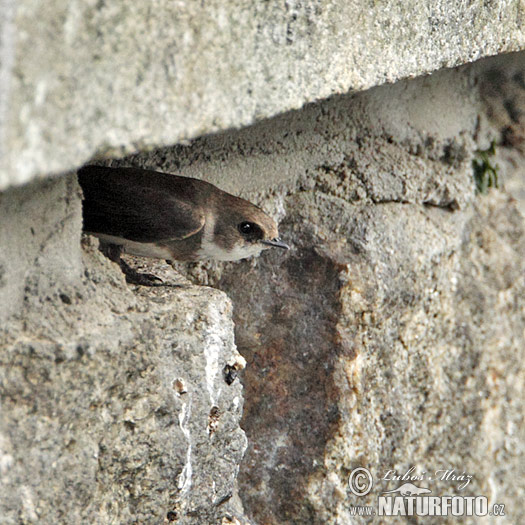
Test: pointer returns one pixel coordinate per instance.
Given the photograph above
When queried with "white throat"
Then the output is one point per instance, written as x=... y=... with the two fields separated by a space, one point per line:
x=210 y=250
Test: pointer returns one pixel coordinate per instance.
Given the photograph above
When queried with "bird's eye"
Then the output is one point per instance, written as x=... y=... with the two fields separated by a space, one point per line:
x=246 y=228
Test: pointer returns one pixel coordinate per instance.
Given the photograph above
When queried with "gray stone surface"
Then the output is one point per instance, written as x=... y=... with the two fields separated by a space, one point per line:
x=298 y=148
x=114 y=402
x=40 y=227
x=392 y=334
x=79 y=79
x=379 y=350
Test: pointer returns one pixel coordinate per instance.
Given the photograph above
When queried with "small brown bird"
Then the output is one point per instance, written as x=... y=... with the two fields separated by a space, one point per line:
x=166 y=216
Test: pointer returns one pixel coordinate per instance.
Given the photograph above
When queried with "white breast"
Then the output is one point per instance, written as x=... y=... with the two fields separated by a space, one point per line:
x=142 y=249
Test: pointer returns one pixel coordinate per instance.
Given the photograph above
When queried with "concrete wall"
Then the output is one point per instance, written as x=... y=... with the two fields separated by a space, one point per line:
x=79 y=79
x=390 y=336
x=115 y=404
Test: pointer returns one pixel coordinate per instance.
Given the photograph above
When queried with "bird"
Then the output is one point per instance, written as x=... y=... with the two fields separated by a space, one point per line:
x=166 y=216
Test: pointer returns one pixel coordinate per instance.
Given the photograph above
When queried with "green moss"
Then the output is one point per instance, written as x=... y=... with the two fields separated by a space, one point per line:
x=485 y=173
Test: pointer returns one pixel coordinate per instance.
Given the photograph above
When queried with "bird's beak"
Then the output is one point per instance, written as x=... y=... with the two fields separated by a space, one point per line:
x=277 y=243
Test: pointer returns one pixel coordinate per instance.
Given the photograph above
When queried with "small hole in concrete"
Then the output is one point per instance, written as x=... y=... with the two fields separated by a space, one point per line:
x=179 y=386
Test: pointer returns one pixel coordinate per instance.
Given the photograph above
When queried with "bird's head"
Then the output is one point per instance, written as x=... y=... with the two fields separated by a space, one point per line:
x=239 y=229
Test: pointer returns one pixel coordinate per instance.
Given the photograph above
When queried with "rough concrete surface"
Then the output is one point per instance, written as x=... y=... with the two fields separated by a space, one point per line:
x=392 y=334
x=375 y=350
x=79 y=79
x=502 y=87
x=40 y=228
x=114 y=402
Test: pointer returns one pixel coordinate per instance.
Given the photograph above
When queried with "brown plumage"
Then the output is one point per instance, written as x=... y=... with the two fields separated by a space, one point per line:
x=155 y=214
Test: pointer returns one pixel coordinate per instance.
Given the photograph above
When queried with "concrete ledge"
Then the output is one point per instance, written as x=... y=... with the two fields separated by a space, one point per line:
x=84 y=78
x=115 y=406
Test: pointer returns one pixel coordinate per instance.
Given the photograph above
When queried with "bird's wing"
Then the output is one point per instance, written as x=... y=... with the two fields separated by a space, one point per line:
x=139 y=205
